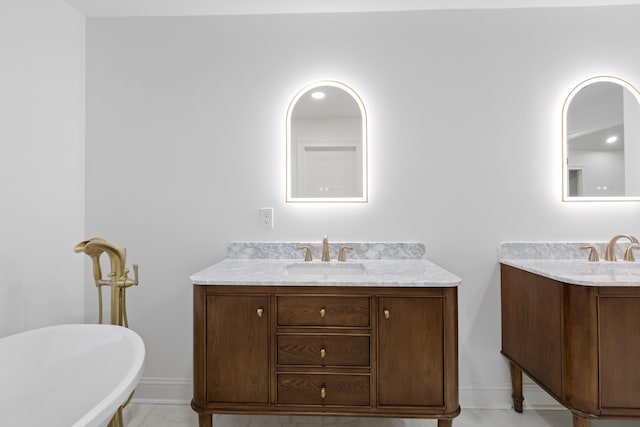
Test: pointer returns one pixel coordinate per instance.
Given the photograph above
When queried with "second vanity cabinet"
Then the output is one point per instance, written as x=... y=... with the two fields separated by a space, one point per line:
x=326 y=350
x=580 y=343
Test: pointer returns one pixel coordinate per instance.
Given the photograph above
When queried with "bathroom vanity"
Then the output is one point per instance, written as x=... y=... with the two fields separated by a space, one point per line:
x=357 y=338
x=572 y=326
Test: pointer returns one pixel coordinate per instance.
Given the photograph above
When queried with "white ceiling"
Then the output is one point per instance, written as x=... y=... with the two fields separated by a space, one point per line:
x=121 y=8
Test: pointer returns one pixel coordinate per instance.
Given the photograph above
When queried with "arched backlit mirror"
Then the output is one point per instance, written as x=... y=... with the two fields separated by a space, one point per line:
x=326 y=145
x=601 y=141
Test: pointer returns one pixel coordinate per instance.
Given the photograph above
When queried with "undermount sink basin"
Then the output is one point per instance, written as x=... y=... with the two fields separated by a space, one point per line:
x=608 y=268
x=325 y=269
x=623 y=268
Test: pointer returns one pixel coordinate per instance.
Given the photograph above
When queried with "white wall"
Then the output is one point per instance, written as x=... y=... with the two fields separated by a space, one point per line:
x=186 y=140
x=41 y=163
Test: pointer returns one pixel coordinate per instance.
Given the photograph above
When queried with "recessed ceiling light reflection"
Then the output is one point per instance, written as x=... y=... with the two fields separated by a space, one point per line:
x=318 y=95
x=611 y=139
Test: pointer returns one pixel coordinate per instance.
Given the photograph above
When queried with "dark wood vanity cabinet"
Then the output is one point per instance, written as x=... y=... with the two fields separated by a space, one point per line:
x=354 y=351
x=579 y=343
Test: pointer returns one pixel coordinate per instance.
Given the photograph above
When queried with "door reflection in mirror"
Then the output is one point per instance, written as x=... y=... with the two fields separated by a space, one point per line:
x=326 y=145
x=601 y=141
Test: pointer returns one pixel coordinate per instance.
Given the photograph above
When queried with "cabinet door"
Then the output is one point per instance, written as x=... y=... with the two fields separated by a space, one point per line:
x=619 y=349
x=237 y=349
x=410 y=351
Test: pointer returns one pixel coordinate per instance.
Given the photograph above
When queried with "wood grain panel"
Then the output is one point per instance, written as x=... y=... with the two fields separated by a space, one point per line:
x=237 y=349
x=620 y=352
x=410 y=351
x=532 y=325
x=306 y=389
x=580 y=357
x=339 y=350
x=340 y=311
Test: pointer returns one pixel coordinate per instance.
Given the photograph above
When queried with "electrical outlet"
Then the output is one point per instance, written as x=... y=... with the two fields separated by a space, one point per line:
x=266 y=217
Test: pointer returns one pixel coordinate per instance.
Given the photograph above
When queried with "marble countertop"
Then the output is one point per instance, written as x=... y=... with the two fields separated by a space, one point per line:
x=565 y=262
x=379 y=272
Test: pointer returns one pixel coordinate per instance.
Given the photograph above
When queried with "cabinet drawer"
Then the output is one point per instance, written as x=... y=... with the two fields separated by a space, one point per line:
x=323 y=350
x=317 y=389
x=344 y=311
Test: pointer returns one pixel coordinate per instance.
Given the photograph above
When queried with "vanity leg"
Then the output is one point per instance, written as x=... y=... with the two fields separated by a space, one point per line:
x=581 y=422
x=516 y=385
x=205 y=420
x=445 y=423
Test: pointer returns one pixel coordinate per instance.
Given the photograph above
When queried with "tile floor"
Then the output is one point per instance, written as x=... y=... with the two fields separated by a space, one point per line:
x=143 y=415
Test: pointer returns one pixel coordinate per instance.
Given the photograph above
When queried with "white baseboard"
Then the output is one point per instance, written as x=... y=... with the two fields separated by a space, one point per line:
x=179 y=391
x=499 y=397
x=164 y=391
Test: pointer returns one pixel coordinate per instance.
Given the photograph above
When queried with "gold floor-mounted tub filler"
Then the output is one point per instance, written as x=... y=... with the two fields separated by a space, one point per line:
x=118 y=281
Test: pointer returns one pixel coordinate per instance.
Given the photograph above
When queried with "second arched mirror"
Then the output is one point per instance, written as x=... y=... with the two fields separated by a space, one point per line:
x=601 y=141
x=326 y=145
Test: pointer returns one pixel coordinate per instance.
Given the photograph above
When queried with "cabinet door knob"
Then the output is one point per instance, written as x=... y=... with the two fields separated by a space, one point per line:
x=259 y=312
x=323 y=353
x=387 y=313
x=323 y=312
x=323 y=392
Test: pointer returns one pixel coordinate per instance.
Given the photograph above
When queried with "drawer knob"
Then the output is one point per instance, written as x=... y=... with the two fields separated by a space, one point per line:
x=259 y=312
x=323 y=312
x=323 y=353
x=323 y=392
x=387 y=313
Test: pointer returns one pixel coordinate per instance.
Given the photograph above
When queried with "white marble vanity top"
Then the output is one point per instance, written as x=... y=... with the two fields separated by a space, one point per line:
x=567 y=263
x=356 y=271
x=375 y=273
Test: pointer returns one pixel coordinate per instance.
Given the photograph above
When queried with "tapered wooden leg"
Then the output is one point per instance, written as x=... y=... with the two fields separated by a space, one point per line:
x=445 y=423
x=581 y=422
x=516 y=386
x=205 y=420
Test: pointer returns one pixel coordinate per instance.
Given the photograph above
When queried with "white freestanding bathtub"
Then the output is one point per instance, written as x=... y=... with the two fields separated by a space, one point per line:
x=68 y=375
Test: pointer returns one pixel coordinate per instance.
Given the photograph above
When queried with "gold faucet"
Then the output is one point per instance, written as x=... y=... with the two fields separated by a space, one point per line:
x=341 y=256
x=610 y=253
x=307 y=252
x=119 y=282
x=628 y=254
x=593 y=253
x=118 y=278
x=325 y=249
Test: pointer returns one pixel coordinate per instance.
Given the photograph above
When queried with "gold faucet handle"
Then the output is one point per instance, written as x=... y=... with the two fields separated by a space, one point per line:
x=307 y=254
x=341 y=255
x=125 y=282
x=628 y=254
x=593 y=253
